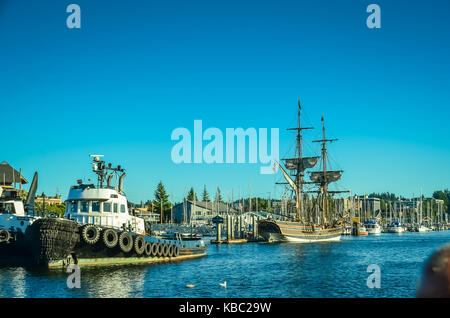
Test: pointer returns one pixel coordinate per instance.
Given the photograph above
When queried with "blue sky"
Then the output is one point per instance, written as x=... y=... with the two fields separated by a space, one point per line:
x=136 y=70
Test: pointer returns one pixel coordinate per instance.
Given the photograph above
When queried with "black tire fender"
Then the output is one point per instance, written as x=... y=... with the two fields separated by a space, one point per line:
x=176 y=251
x=90 y=234
x=160 y=249
x=4 y=235
x=139 y=244
x=165 y=250
x=110 y=238
x=170 y=250
x=148 y=248
x=125 y=242
x=154 y=249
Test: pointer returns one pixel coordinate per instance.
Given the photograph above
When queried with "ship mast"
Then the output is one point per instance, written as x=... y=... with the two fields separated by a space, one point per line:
x=299 y=164
x=324 y=180
x=101 y=169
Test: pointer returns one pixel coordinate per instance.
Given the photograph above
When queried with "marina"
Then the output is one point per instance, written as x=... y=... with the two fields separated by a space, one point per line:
x=261 y=270
x=224 y=156
x=311 y=229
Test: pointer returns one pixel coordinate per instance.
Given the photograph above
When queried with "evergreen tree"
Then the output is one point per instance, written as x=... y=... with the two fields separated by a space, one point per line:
x=161 y=198
x=205 y=195
x=192 y=196
x=444 y=196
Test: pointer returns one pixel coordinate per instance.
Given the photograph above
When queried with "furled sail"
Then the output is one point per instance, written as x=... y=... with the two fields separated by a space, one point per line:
x=288 y=178
x=306 y=163
x=331 y=176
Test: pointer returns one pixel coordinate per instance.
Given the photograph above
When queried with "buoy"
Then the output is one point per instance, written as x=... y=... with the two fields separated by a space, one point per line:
x=190 y=286
x=224 y=284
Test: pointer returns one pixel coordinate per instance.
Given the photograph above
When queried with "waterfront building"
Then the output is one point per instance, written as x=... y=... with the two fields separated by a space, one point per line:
x=52 y=200
x=369 y=205
x=10 y=176
x=148 y=216
x=200 y=212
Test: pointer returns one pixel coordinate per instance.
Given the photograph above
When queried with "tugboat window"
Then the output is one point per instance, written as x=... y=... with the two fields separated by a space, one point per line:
x=7 y=208
x=73 y=207
x=84 y=206
x=95 y=206
x=122 y=208
x=115 y=207
x=106 y=207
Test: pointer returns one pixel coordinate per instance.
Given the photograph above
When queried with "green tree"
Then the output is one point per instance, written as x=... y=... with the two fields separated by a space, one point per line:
x=262 y=204
x=161 y=199
x=444 y=196
x=192 y=196
x=205 y=196
x=50 y=208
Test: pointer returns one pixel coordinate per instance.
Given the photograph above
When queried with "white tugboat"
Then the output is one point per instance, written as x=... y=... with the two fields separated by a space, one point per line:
x=104 y=206
x=99 y=228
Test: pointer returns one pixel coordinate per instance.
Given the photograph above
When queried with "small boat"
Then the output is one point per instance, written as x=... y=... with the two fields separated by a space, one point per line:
x=373 y=227
x=395 y=227
x=423 y=228
x=182 y=236
x=363 y=231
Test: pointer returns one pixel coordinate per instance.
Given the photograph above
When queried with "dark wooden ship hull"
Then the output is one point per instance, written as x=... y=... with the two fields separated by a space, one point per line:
x=285 y=231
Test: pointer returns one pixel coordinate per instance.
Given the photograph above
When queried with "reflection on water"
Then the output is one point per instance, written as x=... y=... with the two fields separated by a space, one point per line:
x=13 y=283
x=333 y=269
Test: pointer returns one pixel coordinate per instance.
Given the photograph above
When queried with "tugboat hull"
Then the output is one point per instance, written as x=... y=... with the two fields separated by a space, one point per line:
x=53 y=242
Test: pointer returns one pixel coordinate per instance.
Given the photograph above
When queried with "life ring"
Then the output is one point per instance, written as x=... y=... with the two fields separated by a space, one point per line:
x=4 y=235
x=160 y=249
x=139 y=244
x=170 y=251
x=110 y=238
x=154 y=249
x=90 y=234
x=148 y=248
x=125 y=242
x=176 y=251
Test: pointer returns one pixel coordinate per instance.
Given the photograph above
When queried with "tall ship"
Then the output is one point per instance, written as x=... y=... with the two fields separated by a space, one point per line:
x=316 y=220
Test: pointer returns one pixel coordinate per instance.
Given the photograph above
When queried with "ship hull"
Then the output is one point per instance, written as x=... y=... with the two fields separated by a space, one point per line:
x=284 y=231
x=58 y=243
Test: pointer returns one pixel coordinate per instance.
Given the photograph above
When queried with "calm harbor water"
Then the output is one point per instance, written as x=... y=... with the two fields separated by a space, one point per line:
x=336 y=269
